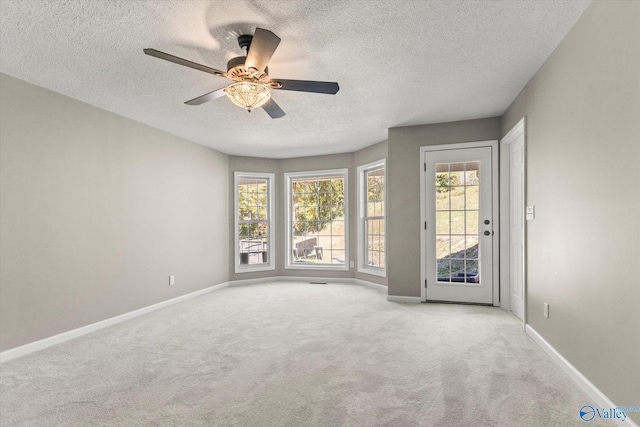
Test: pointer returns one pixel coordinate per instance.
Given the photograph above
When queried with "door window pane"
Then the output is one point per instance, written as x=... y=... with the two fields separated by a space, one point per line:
x=457 y=222
x=443 y=222
x=472 y=222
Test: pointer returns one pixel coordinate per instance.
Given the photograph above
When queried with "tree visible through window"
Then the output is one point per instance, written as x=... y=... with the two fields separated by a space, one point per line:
x=374 y=218
x=317 y=219
x=457 y=221
x=253 y=200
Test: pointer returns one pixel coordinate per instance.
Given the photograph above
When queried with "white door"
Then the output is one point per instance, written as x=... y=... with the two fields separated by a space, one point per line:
x=459 y=225
x=516 y=225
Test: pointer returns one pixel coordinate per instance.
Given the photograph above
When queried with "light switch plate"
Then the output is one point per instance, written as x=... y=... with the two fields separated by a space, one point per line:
x=530 y=213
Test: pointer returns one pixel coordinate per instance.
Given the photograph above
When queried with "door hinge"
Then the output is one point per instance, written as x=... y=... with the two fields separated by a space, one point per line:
x=425 y=225
x=425 y=166
x=425 y=283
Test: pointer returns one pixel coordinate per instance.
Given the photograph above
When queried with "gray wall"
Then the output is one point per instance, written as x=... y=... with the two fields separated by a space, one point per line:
x=279 y=167
x=96 y=212
x=403 y=189
x=583 y=156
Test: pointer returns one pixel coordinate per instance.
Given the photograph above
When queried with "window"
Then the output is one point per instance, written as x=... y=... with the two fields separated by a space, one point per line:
x=316 y=206
x=253 y=222
x=371 y=218
x=457 y=222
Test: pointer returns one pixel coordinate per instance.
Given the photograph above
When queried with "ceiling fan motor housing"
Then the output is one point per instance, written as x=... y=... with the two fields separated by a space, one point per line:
x=237 y=71
x=245 y=42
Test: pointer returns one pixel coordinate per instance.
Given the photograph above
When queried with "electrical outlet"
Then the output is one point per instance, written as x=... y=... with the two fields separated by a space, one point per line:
x=172 y=280
x=546 y=310
x=351 y=264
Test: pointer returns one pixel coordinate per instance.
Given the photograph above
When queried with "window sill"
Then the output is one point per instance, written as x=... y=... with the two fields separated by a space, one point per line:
x=244 y=269
x=320 y=267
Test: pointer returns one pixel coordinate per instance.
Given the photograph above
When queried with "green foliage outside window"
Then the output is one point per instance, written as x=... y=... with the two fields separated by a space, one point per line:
x=252 y=206
x=374 y=242
x=316 y=203
x=444 y=182
x=375 y=188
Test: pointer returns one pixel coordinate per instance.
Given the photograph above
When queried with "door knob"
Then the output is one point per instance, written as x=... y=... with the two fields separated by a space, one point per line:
x=487 y=233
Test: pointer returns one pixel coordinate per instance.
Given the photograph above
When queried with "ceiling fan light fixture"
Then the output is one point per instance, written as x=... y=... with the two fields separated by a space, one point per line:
x=251 y=87
x=248 y=95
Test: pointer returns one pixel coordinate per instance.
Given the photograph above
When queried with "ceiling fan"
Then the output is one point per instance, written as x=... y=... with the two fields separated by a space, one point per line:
x=252 y=86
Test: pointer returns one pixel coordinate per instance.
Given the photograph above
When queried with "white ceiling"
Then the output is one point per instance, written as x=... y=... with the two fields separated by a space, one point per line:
x=398 y=63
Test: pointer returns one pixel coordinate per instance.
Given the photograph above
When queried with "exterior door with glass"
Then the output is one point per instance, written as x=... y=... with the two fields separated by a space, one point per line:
x=459 y=225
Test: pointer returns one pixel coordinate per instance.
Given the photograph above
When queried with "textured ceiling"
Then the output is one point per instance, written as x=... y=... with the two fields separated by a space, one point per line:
x=398 y=63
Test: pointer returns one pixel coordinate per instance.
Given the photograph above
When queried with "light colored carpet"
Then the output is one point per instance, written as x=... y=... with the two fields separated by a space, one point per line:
x=295 y=354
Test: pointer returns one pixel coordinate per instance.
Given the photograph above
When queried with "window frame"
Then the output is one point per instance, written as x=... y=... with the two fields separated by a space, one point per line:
x=363 y=267
x=288 y=178
x=271 y=254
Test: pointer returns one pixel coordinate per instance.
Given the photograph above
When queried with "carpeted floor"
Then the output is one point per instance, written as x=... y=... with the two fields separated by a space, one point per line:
x=295 y=354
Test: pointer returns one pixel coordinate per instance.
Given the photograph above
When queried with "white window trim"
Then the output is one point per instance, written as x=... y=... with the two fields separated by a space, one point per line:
x=289 y=265
x=271 y=265
x=362 y=194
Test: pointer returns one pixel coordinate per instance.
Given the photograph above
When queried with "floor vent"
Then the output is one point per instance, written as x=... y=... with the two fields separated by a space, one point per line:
x=318 y=283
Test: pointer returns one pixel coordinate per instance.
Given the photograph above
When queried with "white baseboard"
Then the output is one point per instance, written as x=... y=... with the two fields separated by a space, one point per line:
x=587 y=386
x=360 y=282
x=397 y=298
x=252 y=281
x=84 y=330
x=371 y=285
x=311 y=279
x=314 y=279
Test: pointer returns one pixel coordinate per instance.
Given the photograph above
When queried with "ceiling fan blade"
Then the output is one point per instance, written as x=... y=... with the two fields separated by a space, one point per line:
x=308 y=86
x=218 y=93
x=186 y=63
x=263 y=45
x=273 y=109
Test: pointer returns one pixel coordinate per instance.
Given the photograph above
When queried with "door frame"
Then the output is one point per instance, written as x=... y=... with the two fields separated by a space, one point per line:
x=495 y=188
x=518 y=130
